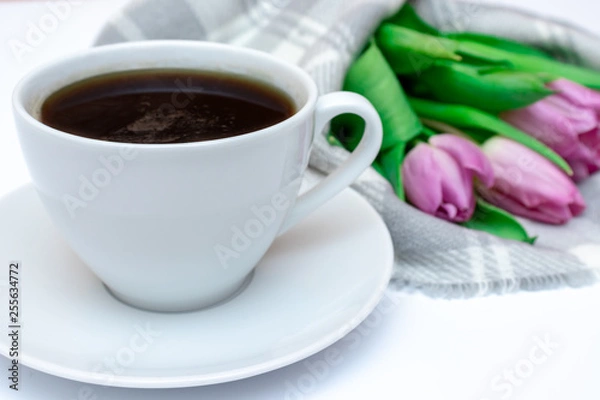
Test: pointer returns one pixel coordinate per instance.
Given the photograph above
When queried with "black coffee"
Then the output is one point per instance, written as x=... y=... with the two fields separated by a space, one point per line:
x=165 y=106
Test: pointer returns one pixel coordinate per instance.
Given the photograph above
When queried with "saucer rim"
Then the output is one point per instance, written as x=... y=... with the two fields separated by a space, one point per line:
x=184 y=381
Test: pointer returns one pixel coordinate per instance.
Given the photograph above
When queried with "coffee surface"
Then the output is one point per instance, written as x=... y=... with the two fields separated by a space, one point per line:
x=165 y=106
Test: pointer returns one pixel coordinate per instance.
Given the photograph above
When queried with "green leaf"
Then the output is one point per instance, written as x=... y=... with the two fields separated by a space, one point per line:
x=475 y=48
x=479 y=135
x=334 y=141
x=428 y=132
x=465 y=118
x=390 y=163
x=498 y=43
x=490 y=89
x=529 y=63
x=408 y=18
x=377 y=167
x=348 y=130
x=372 y=77
x=556 y=69
x=491 y=219
x=409 y=51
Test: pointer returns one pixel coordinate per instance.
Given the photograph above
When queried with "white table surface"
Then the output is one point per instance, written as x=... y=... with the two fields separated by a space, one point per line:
x=417 y=349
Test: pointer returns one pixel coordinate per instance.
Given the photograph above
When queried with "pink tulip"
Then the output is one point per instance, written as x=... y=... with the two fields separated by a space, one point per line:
x=529 y=185
x=438 y=177
x=568 y=122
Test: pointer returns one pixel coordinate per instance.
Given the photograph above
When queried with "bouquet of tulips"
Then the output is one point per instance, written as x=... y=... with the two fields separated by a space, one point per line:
x=477 y=129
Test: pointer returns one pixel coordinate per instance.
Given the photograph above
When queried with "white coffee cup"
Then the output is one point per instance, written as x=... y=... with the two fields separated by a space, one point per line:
x=176 y=227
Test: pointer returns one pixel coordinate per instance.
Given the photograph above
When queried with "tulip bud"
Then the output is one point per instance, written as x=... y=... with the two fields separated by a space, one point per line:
x=528 y=185
x=438 y=177
x=568 y=122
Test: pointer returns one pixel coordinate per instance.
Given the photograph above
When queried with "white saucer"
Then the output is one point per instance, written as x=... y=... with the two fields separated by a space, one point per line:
x=316 y=283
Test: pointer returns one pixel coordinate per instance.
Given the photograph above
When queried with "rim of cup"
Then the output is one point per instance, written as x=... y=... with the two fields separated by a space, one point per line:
x=250 y=55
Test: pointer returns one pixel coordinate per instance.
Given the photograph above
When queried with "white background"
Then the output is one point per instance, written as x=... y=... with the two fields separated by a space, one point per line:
x=420 y=349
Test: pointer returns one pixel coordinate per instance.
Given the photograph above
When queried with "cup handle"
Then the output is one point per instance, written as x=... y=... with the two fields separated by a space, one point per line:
x=328 y=107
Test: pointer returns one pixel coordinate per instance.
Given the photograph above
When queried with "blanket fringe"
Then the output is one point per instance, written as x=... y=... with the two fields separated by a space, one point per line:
x=506 y=286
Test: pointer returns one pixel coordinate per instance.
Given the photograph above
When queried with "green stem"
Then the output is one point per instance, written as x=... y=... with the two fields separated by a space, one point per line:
x=468 y=117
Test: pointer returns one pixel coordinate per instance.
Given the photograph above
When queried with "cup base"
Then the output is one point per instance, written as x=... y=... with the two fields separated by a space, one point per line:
x=198 y=306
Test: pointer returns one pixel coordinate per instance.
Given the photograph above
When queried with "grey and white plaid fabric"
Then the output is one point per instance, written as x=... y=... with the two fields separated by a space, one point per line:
x=323 y=36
